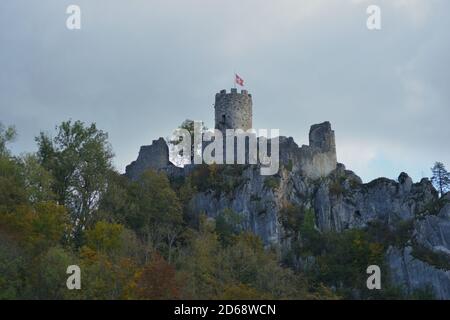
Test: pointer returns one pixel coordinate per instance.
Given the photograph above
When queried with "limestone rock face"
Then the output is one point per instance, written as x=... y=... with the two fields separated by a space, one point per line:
x=310 y=177
x=254 y=201
x=350 y=204
x=433 y=232
x=414 y=274
x=341 y=201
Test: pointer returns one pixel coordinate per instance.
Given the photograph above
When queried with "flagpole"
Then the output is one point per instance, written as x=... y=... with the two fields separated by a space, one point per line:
x=234 y=82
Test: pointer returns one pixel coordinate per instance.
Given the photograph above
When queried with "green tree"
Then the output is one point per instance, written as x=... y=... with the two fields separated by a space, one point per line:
x=149 y=206
x=117 y=202
x=159 y=218
x=13 y=280
x=12 y=185
x=105 y=276
x=79 y=158
x=6 y=135
x=344 y=259
x=440 y=178
x=247 y=262
x=38 y=181
x=201 y=262
x=228 y=224
x=48 y=275
x=37 y=228
x=104 y=237
x=242 y=292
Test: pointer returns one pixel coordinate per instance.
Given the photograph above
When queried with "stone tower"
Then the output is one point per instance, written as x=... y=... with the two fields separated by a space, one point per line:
x=233 y=110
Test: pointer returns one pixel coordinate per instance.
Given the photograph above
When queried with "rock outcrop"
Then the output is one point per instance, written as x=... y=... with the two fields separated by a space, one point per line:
x=425 y=262
x=310 y=177
x=413 y=274
x=341 y=201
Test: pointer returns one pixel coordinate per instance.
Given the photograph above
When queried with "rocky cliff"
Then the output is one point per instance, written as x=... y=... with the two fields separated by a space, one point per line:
x=310 y=178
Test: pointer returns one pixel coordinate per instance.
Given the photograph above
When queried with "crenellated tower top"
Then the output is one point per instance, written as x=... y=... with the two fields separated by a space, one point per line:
x=233 y=110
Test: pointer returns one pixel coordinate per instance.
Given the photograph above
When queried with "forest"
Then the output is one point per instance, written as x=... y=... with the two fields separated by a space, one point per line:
x=67 y=205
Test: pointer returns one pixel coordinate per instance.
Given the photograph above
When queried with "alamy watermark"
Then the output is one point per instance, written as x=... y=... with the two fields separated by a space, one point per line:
x=374 y=20
x=374 y=280
x=74 y=280
x=73 y=22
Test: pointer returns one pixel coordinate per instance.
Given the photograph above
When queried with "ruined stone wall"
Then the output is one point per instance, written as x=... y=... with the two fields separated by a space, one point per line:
x=315 y=160
x=233 y=110
x=321 y=157
x=154 y=156
x=322 y=137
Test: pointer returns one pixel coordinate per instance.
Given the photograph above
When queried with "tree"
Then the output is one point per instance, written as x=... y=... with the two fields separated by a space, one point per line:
x=12 y=186
x=105 y=276
x=157 y=280
x=344 y=258
x=115 y=203
x=6 y=135
x=149 y=206
x=38 y=181
x=49 y=274
x=440 y=178
x=201 y=261
x=242 y=292
x=104 y=236
x=156 y=212
x=228 y=225
x=248 y=263
x=79 y=158
x=37 y=228
x=13 y=283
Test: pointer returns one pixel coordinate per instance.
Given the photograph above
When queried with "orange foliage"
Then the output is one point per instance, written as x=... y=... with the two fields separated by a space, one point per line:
x=157 y=281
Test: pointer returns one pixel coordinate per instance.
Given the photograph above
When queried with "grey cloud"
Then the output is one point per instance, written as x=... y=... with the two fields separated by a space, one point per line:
x=138 y=68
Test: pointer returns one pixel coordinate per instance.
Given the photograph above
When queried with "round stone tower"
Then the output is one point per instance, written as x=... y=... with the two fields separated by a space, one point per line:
x=233 y=110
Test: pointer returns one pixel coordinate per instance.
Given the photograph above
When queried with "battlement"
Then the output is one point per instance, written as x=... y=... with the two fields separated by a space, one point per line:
x=233 y=91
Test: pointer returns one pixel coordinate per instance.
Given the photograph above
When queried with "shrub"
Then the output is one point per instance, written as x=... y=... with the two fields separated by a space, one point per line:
x=272 y=183
x=336 y=189
x=289 y=165
x=439 y=260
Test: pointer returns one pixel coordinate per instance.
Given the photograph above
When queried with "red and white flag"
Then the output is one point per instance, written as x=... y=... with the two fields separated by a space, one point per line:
x=239 y=80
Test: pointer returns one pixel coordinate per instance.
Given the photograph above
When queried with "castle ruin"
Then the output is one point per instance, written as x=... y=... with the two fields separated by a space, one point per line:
x=234 y=110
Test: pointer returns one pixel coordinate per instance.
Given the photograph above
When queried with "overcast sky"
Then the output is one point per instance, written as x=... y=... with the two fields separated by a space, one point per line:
x=139 y=68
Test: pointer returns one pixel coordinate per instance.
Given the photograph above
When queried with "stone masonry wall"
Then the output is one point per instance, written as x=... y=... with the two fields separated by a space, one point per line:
x=154 y=156
x=233 y=110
